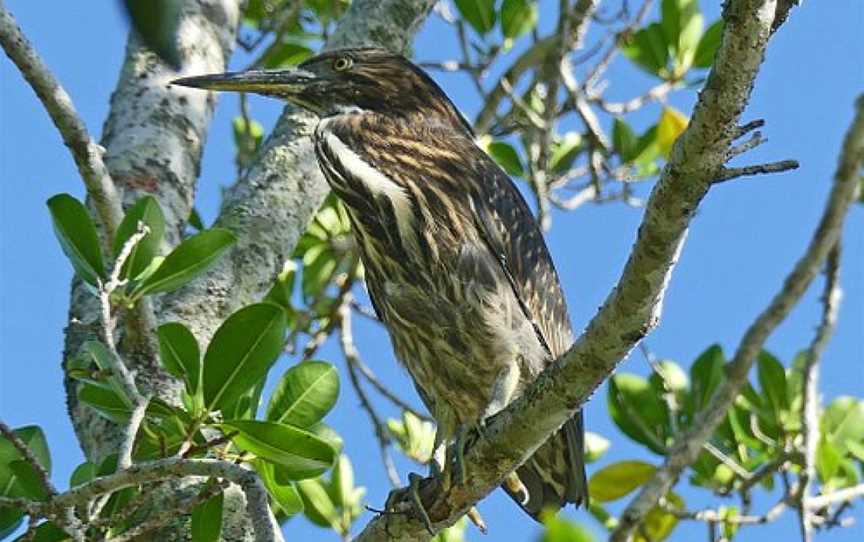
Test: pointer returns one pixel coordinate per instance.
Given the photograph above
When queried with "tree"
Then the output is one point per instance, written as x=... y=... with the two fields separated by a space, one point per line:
x=172 y=323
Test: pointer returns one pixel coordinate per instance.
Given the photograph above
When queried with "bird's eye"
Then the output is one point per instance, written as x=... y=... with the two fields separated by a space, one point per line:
x=342 y=63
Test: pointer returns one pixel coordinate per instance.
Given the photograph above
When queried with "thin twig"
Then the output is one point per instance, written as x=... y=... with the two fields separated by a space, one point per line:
x=655 y=94
x=810 y=381
x=124 y=375
x=379 y=386
x=29 y=457
x=352 y=356
x=727 y=174
x=755 y=140
x=835 y=497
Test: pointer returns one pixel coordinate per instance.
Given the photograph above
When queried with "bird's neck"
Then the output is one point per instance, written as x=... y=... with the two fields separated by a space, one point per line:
x=369 y=127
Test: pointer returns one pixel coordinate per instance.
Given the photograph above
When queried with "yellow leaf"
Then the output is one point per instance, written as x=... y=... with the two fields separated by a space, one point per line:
x=659 y=523
x=672 y=123
x=618 y=479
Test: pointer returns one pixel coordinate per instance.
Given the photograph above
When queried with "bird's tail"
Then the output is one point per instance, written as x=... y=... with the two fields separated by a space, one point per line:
x=555 y=475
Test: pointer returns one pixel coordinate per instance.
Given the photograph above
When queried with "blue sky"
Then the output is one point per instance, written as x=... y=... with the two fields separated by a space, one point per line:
x=746 y=237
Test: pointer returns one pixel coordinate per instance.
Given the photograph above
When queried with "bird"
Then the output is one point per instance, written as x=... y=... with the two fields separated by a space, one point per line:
x=455 y=264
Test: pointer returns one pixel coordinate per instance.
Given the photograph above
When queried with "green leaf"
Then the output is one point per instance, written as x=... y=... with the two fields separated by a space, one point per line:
x=708 y=45
x=301 y=454
x=506 y=157
x=659 y=523
x=454 y=533
x=670 y=376
x=207 y=519
x=560 y=529
x=28 y=479
x=618 y=479
x=328 y=435
x=99 y=354
x=518 y=17
x=147 y=211
x=285 y=495
x=479 y=13
x=565 y=152
x=83 y=473
x=827 y=460
x=288 y=54
x=190 y=259
x=10 y=520
x=241 y=353
x=317 y=505
x=843 y=420
x=856 y=449
x=304 y=394
x=682 y=22
x=343 y=482
x=648 y=49
x=638 y=411
x=195 y=220
x=180 y=354
x=647 y=151
x=157 y=21
x=47 y=532
x=283 y=288
x=624 y=140
x=706 y=374
x=77 y=236
x=595 y=446
x=414 y=436
x=11 y=484
x=105 y=401
x=772 y=380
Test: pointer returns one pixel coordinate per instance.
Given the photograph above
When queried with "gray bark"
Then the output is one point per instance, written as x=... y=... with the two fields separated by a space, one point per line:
x=154 y=137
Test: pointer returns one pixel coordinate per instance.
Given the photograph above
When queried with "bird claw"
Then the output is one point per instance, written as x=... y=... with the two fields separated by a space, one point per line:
x=412 y=492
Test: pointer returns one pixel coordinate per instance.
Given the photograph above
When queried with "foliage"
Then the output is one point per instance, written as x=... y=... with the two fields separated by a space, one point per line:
x=223 y=411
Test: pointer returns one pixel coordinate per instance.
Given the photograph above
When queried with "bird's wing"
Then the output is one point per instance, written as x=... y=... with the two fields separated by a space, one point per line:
x=513 y=235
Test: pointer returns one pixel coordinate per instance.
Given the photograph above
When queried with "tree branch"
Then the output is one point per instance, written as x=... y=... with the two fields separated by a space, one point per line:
x=688 y=446
x=533 y=57
x=27 y=454
x=727 y=174
x=352 y=357
x=810 y=378
x=257 y=504
x=86 y=153
x=633 y=307
x=839 y=496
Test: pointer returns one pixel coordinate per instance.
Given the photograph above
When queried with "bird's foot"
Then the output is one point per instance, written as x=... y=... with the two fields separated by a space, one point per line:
x=475 y=517
x=412 y=495
x=457 y=464
x=515 y=486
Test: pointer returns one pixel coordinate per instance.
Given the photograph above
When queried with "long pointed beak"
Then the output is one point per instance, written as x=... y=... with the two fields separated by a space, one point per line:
x=259 y=81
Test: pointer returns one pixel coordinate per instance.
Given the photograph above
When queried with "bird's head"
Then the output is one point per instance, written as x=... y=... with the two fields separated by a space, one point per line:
x=346 y=81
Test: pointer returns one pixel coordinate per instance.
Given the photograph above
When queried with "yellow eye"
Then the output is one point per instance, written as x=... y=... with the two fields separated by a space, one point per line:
x=342 y=63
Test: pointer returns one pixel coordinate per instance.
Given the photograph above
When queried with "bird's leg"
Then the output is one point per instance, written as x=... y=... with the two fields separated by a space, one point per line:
x=503 y=392
x=414 y=480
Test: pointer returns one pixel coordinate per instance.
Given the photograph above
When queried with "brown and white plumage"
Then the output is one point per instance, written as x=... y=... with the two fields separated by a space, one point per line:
x=455 y=263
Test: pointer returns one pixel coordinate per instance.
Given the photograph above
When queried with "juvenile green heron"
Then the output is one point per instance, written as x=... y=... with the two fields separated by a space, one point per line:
x=455 y=263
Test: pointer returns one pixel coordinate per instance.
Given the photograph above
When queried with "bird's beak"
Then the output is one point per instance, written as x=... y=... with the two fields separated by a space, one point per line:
x=284 y=82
